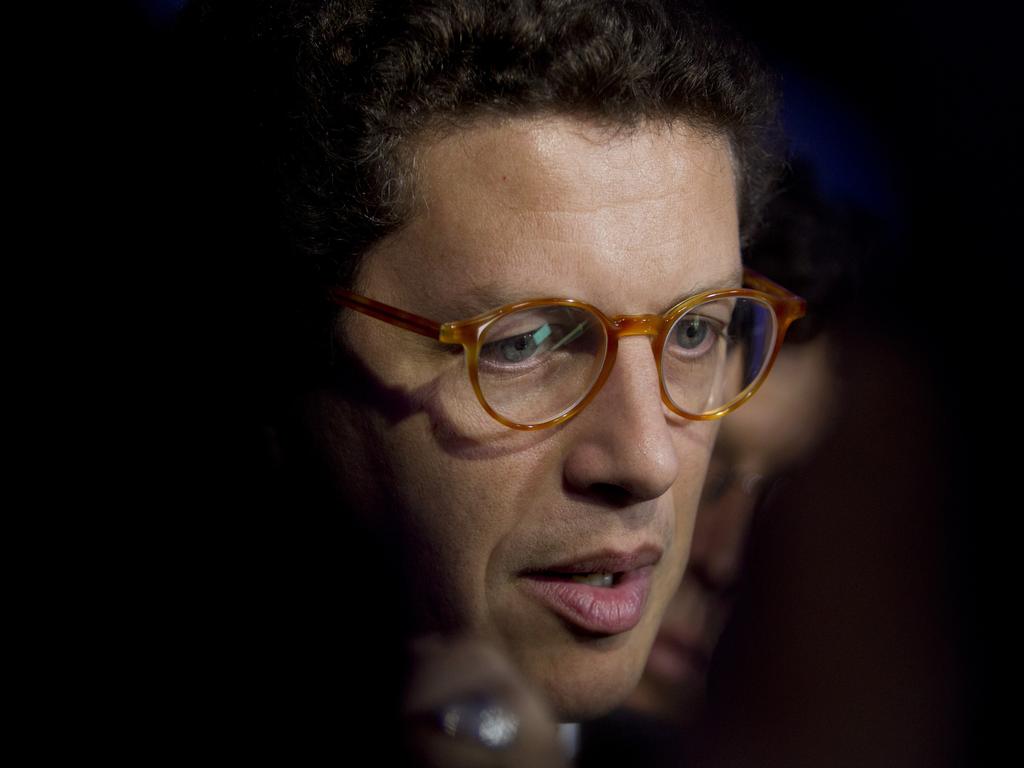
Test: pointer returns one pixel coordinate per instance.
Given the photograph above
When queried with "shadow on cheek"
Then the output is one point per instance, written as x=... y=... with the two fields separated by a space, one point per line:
x=352 y=380
x=458 y=423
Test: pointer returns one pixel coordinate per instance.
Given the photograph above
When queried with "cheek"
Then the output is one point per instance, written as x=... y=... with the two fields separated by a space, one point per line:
x=459 y=504
x=437 y=508
x=417 y=456
x=694 y=443
x=391 y=475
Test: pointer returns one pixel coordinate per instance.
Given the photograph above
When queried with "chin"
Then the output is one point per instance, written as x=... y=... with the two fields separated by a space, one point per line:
x=589 y=678
x=571 y=707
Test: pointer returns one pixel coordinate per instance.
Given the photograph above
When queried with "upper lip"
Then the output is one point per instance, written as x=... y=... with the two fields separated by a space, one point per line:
x=606 y=561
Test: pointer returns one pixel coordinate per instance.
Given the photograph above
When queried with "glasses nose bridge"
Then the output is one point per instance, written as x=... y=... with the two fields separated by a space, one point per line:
x=636 y=325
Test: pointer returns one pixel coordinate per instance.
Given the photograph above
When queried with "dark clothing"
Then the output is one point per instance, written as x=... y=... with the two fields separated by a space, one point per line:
x=625 y=738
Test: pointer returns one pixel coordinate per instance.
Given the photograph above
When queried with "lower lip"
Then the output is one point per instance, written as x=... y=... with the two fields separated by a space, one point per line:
x=602 y=610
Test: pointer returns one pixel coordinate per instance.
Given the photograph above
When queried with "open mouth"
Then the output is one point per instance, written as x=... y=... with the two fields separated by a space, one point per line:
x=604 y=592
x=601 y=602
x=596 y=579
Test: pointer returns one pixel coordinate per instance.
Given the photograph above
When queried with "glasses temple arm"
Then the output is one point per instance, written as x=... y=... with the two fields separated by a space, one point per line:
x=386 y=312
x=797 y=306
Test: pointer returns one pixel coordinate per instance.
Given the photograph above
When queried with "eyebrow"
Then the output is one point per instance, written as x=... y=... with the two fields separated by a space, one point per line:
x=476 y=301
x=733 y=280
x=489 y=296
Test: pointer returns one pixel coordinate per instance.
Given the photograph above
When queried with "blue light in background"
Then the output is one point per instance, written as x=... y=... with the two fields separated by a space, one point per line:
x=160 y=12
x=844 y=149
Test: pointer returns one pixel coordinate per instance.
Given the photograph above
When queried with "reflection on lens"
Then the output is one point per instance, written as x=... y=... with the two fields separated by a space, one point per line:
x=535 y=364
x=717 y=350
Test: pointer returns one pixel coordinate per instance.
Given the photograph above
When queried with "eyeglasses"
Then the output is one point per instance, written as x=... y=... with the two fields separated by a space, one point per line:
x=534 y=364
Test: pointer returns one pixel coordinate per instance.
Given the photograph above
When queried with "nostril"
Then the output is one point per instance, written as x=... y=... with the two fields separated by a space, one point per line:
x=613 y=495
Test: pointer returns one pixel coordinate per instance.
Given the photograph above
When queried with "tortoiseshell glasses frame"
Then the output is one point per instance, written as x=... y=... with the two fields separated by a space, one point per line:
x=784 y=307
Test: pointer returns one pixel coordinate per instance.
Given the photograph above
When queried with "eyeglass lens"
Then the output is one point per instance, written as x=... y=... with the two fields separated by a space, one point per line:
x=537 y=363
x=715 y=351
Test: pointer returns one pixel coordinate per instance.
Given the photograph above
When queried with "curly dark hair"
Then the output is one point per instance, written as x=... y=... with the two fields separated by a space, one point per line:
x=337 y=93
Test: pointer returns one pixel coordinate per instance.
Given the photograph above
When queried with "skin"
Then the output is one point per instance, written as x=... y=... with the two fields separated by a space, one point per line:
x=526 y=208
x=764 y=438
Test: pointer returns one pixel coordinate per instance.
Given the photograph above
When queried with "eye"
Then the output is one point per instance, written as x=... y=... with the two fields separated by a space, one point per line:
x=538 y=340
x=516 y=349
x=528 y=339
x=692 y=333
x=694 y=336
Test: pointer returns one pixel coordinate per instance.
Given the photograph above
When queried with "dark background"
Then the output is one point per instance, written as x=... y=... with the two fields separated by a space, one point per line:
x=897 y=604
x=905 y=109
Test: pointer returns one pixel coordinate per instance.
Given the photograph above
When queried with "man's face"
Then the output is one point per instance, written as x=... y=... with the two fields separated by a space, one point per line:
x=540 y=208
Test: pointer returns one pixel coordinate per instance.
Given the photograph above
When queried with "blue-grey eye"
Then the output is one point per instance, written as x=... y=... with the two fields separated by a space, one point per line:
x=515 y=349
x=691 y=332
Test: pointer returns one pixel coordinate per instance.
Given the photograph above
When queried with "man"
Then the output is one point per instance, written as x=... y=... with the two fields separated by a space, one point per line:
x=477 y=212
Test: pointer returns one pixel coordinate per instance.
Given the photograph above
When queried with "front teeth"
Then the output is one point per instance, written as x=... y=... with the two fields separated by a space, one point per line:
x=594 y=579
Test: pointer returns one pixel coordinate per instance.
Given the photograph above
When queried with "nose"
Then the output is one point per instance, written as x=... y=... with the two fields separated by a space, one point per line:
x=623 y=448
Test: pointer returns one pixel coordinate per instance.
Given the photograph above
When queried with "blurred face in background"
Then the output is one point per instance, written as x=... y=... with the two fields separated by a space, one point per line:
x=769 y=434
x=563 y=546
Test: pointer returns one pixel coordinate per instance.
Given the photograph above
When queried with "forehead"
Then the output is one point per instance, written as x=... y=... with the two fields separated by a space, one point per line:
x=551 y=206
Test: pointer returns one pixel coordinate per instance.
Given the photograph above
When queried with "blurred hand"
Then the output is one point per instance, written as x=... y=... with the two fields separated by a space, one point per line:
x=466 y=678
